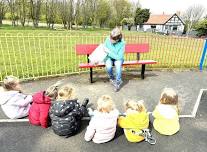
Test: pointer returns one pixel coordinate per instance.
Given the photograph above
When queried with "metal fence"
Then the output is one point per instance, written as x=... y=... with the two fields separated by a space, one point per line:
x=30 y=55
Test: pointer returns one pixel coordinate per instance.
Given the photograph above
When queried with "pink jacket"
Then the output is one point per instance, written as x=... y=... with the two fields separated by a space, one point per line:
x=102 y=127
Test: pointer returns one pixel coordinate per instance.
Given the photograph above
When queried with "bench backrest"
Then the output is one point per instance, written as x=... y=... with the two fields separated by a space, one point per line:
x=85 y=49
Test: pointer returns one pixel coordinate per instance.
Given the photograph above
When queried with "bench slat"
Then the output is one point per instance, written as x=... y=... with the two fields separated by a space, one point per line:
x=84 y=49
x=89 y=65
x=137 y=48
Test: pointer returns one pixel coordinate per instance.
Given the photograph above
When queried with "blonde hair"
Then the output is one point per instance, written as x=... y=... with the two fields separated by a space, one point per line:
x=105 y=104
x=52 y=92
x=137 y=106
x=66 y=92
x=169 y=96
x=10 y=82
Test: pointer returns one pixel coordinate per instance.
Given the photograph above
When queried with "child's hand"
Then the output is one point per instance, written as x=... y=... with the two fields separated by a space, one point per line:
x=122 y=114
x=85 y=102
x=90 y=112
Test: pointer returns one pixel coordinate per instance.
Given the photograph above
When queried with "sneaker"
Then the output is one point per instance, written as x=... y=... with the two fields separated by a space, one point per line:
x=112 y=81
x=118 y=85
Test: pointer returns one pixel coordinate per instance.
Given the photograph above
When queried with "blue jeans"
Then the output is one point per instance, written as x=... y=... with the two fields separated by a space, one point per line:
x=118 y=66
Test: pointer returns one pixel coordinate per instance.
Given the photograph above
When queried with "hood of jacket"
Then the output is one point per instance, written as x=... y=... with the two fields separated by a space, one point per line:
x=138 y=120
x=63 y=108
x=166 y=111
x=7 y=95
x=101 y=115
x=41 y=98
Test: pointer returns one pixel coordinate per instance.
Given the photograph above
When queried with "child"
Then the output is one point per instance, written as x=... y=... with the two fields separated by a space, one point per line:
x=38 y=113
x=66 y=113
x=102 y=126
x=166 y=120
x=14 y=103
x=135 y=120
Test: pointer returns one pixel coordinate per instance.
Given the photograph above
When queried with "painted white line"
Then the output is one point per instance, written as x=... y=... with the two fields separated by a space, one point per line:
x=197 y=102
x=14 y=120
x=27 y=120
x=186 y=116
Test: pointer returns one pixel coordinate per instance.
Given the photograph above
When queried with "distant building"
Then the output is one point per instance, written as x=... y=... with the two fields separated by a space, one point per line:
x=163 y=23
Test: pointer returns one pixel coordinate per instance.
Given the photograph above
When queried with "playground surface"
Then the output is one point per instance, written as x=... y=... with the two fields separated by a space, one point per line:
x=192 y=91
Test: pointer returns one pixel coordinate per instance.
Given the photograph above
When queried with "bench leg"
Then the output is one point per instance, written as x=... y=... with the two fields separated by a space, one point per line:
x=143 y=70
x=91 y=75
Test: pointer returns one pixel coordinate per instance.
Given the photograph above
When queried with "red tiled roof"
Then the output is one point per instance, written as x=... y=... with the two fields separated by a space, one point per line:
x=158 y=19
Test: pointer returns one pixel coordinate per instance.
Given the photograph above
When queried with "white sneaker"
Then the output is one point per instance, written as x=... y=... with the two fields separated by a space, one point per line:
x=118 y=85
x=112 y=81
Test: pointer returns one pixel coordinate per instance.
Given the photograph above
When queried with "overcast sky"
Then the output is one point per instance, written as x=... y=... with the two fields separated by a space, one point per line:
x=170 y=6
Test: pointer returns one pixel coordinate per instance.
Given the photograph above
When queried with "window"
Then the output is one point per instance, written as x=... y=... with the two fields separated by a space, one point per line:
x=175 y=28
x=153 y=26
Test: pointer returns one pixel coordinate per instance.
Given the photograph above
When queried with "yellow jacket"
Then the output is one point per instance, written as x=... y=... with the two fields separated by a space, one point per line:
x=134 y=122
x=166 y=120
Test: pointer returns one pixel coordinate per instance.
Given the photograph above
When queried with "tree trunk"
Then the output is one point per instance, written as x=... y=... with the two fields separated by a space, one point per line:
x=13 y=22
x=1 y=15
x=129 y=27
x=35 y=23
x=1 y=18
x=23 y=22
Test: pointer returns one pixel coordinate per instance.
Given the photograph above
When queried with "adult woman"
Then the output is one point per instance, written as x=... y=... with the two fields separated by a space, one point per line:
x=115 y=56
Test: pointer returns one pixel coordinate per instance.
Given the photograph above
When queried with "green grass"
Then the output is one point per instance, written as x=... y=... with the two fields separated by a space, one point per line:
x=30 y=53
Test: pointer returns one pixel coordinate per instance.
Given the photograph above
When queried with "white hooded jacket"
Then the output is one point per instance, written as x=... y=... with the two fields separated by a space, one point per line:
x=102 y=126
x=15 y=104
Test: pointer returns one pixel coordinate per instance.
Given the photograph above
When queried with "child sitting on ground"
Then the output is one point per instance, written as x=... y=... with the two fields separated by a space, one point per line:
x=166 y=120
x=102 y=126
x=14 y=103
x=66 y=113
x=39 y=111
x=134 y=121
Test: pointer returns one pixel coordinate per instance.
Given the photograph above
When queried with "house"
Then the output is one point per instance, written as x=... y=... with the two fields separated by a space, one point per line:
x=163 y=23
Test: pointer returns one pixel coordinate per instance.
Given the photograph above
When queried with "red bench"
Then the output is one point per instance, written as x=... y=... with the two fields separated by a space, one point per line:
x=87 y=49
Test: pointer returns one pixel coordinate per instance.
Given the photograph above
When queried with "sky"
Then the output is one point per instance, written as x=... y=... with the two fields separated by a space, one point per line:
x=170 y=6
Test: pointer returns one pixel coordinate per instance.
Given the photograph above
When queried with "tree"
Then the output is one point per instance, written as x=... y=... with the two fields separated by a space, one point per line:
x=135 y=5
x=77 y=11
x=35 y=6
x=192 y=15
x=22 y=10
x=70 y=16
x=129 y=22
x=13 y=11
x=122 y=9
x=103 y=12
x=2 y=10
x=50 y=12
x=88 y=12
x=62 y=10
x=201 y=27
x=66 y=11
x=141 y=16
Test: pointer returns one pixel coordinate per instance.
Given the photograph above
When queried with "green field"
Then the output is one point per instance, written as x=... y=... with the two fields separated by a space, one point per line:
x=30 y=53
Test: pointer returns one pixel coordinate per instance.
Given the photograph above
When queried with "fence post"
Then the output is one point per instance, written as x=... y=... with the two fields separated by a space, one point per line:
x=203 y=55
